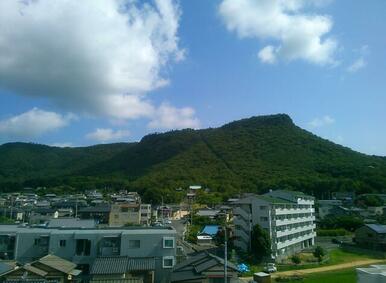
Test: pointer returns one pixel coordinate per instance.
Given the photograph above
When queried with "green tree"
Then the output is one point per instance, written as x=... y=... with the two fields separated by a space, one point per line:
x=296 y=259
x=261 y=243
x=319 y=253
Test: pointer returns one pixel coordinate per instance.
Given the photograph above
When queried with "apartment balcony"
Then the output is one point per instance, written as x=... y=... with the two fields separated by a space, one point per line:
x=241 y=235
x=291 y=242
x=242 y=213
x=240 y=244
x=284 y=211
x=239 y=221
x=295 y=230
x=287 y=221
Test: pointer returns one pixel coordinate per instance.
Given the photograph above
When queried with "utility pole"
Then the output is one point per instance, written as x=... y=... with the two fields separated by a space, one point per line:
x=225 y=255
x=76 y=208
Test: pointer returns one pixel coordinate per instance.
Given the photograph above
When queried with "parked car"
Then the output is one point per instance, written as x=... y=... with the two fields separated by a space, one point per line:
x=270 y=268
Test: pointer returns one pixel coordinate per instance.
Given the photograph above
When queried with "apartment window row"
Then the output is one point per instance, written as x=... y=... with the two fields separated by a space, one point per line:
x=293 y=226
x=83 y=246
x=294 y=236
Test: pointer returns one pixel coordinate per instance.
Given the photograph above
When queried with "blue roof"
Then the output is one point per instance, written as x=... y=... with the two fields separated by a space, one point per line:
x=211 y=230
x=381 y=229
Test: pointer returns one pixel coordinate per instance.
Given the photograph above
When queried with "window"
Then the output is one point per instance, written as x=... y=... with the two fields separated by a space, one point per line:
x=263 y=207
x=124 y=209
x=62 y=243
x=167 y=261
x=83 y=247
x=134 y=244
x=263 y=218
x=42 y=241
x=168 y=242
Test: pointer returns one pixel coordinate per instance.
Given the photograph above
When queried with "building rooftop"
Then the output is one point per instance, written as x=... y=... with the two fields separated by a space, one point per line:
x=380 y=229
x=121 y=264
x=71 y=223
x=211 y=230
x=9 y=229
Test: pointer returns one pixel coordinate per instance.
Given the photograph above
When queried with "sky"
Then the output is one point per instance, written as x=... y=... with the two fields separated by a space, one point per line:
x=77 y=73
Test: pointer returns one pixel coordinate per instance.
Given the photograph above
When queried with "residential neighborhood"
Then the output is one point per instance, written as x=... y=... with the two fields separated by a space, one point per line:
x=114 y=236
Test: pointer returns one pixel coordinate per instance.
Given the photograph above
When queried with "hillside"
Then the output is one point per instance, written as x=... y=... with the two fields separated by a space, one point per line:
x=253 y=154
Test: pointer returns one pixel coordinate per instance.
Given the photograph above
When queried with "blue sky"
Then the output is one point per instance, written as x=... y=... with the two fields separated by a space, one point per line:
x=116 y=75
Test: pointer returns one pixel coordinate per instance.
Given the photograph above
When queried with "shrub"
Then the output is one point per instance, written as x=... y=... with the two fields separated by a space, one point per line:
x=319 y=252
x=296 y=259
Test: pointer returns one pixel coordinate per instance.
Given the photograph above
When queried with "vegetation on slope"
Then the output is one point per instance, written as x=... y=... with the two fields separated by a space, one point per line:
x=252 y=155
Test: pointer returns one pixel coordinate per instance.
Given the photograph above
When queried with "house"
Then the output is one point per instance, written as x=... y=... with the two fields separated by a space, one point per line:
x=99 y=213
x=287 y=216
x=125 y=213
x=207 y=234
x=203 y=267
x=49 y=268
x=325 y=207
x=210 y=213
x=83 y=246
x=111 y=269
x=371 y=236
x=371 y=274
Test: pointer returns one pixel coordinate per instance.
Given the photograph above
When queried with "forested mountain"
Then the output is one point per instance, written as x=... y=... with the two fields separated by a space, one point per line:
x=254 y=155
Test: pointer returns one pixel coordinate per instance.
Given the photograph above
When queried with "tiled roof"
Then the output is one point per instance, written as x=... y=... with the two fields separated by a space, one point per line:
x=195 y=267
x=58 y=263
x=121 y=264
x=141 y=264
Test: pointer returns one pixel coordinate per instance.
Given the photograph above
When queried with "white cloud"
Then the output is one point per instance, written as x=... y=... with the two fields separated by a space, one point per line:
x=169 y=117
x=107 y=135
x=33 y=123
x=99 y=57
x=298 y=35
x=361 y=61
x=321 y=122
x=267 y=54
x=358 y=64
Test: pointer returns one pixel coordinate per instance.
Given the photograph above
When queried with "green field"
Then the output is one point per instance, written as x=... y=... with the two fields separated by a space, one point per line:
x=336 y=256
x=343 y=276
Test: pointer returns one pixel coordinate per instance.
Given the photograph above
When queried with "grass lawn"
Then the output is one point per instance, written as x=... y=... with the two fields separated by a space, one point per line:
x=337 y=256
x=343 y=276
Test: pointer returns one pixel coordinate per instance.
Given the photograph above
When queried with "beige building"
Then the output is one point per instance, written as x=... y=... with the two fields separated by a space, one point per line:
x=129 y=214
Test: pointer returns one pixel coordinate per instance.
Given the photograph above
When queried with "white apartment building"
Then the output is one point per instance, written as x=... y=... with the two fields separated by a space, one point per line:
x=287 y=216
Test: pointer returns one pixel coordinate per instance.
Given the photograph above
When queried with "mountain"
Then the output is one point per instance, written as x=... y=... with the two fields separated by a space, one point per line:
x=253 y=155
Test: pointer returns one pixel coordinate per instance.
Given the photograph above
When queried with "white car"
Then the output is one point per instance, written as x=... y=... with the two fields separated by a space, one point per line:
x=167 y=221
x=270 y=268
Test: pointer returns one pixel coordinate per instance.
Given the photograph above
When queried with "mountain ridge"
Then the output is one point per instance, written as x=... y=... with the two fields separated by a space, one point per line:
x=253 y=154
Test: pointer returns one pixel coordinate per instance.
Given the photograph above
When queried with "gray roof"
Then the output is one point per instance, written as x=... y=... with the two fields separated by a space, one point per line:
x=71 y=223
x=5 y=267
x=207 y=212
x=195 y=267
x=121 y=264
x=58 y=263
x=380 y=229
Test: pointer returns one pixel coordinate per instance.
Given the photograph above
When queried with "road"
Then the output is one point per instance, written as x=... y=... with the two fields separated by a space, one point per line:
x=181 y=228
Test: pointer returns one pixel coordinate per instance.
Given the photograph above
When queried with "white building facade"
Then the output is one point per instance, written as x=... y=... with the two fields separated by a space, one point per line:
x=288 y=217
